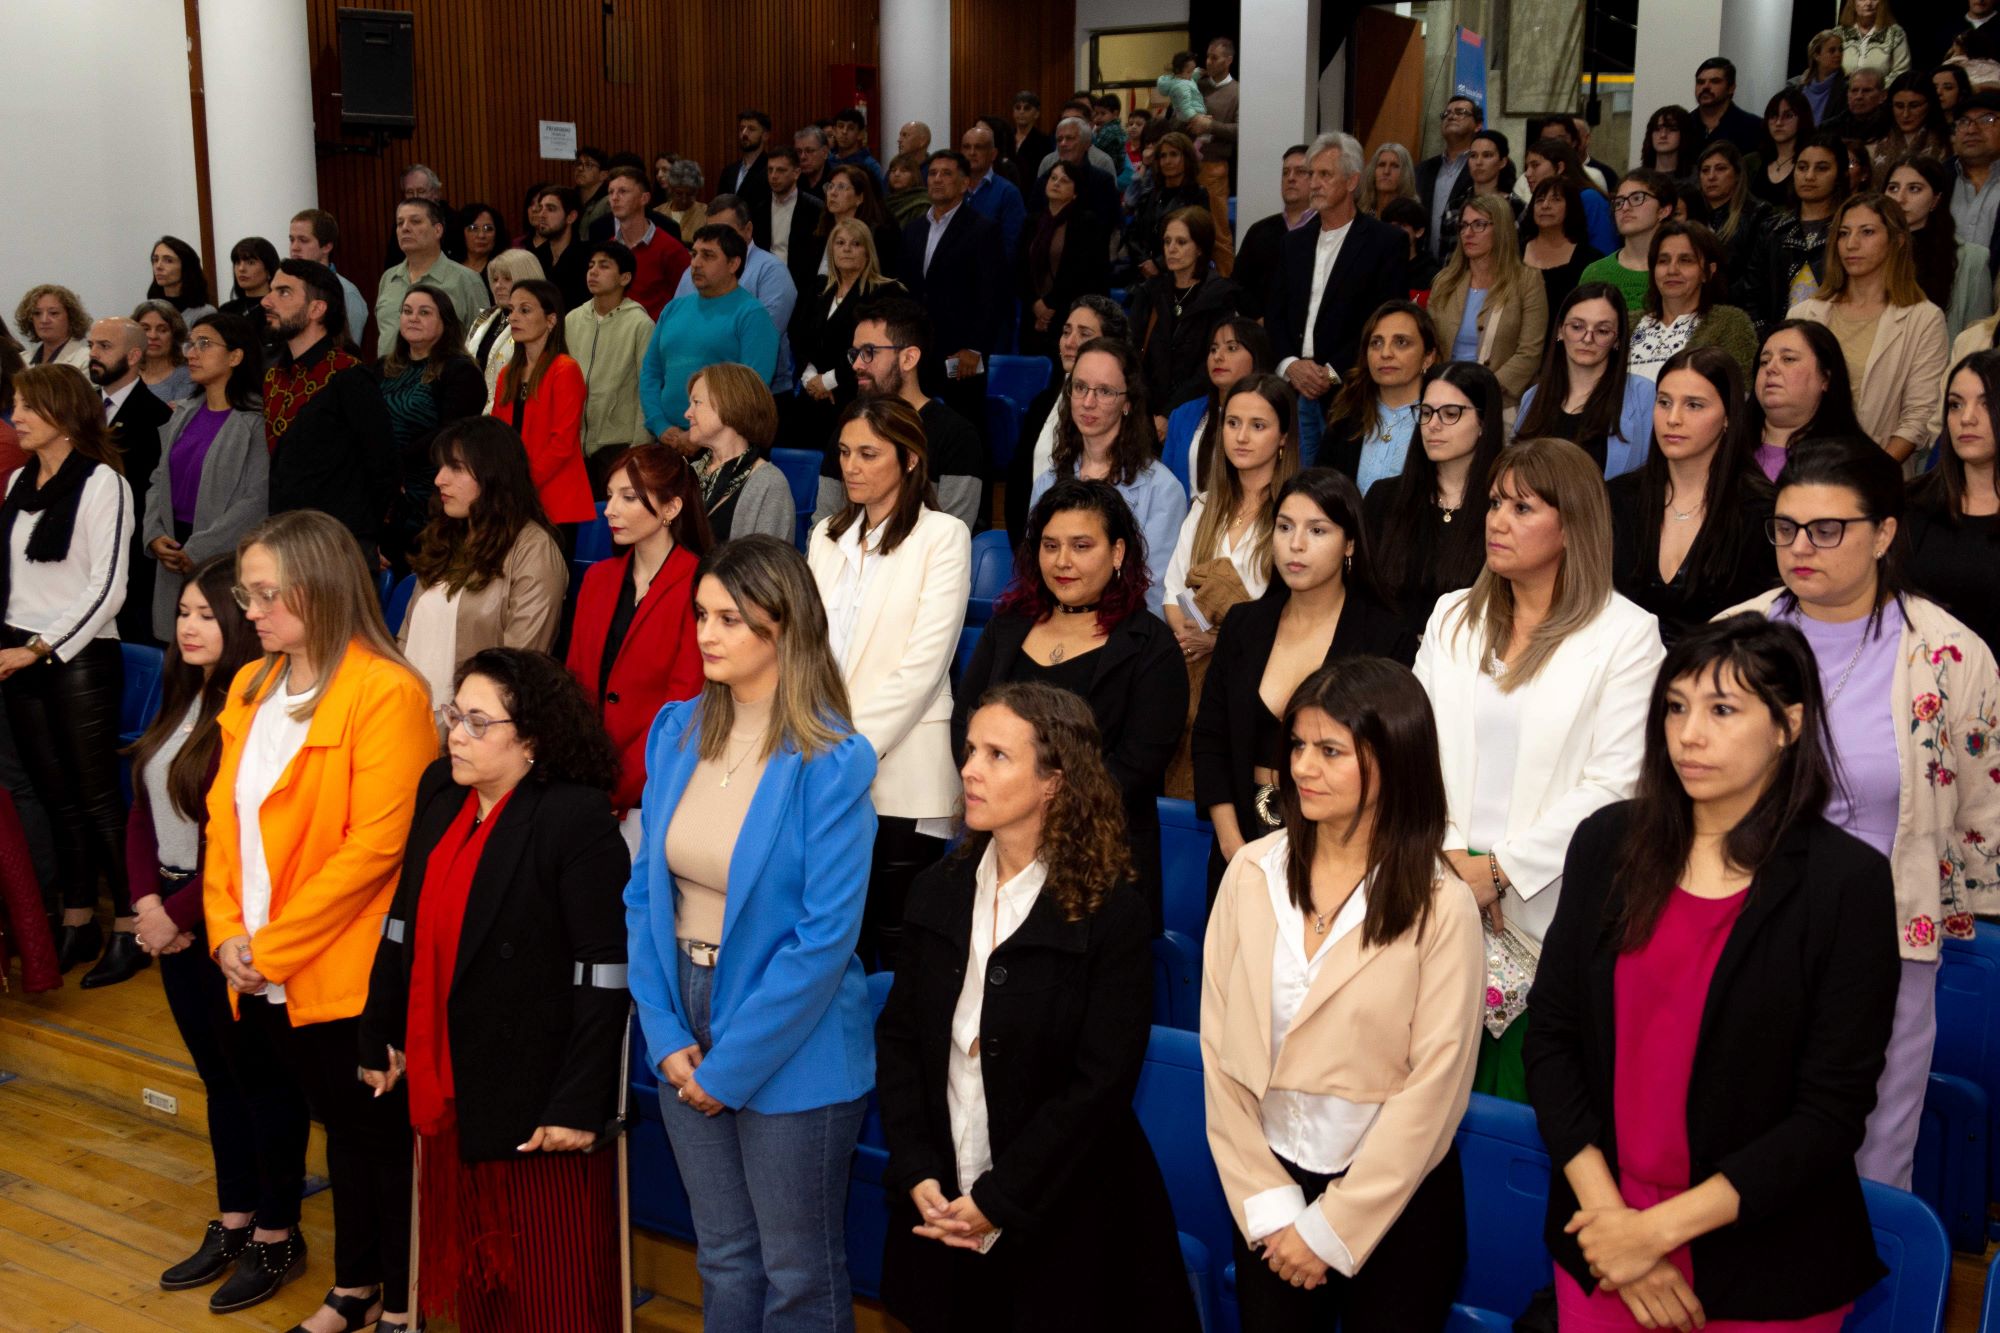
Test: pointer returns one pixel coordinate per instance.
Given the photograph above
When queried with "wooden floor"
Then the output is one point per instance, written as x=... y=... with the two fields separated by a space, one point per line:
x=99 y=1193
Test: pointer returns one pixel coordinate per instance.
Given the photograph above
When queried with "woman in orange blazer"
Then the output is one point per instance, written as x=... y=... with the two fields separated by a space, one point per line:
x=541 y=394
x=323 y=741
x=631 y=646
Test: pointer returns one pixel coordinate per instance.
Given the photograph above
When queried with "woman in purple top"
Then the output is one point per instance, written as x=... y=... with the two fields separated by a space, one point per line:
x=1708 y=1021
x=212 y=484
x=1913 y=700
x=1802 y=391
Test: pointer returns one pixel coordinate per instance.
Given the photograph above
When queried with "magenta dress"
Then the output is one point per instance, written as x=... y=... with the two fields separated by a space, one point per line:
x=1658 y=996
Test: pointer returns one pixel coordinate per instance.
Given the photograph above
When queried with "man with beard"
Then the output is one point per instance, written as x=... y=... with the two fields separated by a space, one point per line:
x=552 y=219
x=891 y=337
x=117 y=346
x=745 y=176
x=332 y=447
x=1716 y=115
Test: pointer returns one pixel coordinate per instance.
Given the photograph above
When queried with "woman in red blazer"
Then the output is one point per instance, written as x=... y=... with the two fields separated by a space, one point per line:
x=541 y=394
x=632 y=644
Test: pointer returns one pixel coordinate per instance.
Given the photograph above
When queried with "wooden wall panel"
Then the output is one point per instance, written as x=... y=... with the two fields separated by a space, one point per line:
x=486 y=73
x=998 y=48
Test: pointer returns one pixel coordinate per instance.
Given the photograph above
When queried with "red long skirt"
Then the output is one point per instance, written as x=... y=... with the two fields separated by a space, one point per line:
x=529 y=1244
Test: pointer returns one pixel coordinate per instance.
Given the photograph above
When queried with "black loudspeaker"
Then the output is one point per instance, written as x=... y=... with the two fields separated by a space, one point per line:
x=377 y=69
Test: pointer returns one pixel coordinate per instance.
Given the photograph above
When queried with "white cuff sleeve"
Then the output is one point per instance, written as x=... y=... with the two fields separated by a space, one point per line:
x=1271 y=1211
x=829 y=380
x=1286 y=364
x=1319 y=1236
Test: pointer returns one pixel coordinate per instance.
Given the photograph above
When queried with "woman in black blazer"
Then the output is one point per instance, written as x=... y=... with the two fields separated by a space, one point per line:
x=1075 y=617
x=499 y=991
x=1007 y=1103
x=823 y=329
x=1065 y=253
x=1175 y=314
x=1711 y=1010
x=1323 y=605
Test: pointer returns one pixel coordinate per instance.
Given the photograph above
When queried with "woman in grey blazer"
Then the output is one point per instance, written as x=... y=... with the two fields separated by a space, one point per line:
x=212 y=483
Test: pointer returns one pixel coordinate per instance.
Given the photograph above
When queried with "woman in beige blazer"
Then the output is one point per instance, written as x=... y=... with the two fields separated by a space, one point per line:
x=894 y=571
x=489 y=571
x=1505 y=334
x=1340 y=1021
x=1872 y=303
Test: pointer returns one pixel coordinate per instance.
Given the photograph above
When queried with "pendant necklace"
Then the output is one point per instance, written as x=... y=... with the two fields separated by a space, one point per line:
x=730 y=771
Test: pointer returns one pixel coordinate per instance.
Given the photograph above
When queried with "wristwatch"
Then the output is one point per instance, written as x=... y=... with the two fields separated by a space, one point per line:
x=40 y=648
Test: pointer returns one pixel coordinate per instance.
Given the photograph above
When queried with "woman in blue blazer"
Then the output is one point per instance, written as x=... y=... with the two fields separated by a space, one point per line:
x=743 y=911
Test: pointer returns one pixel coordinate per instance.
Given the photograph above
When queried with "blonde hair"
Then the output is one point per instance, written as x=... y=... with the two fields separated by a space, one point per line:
x=1562 y=476
x=1899 y=269
x=516 y=266
x=871 y=272
x=324 y=581
x=24 y=313
x=1508 y=270
x=773 y=587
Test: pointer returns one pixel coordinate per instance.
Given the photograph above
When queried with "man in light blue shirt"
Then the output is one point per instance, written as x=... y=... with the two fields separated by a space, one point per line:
x=1975 y=195
x=763 y=273
x=991 y=194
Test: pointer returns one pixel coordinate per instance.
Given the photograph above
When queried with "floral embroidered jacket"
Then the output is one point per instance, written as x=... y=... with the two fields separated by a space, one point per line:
x=1947 y=699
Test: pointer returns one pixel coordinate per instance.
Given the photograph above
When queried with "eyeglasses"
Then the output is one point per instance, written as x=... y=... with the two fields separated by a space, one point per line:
x=1448 y=413
x=475 y=724
x=197 y=345
x=867 y=351
x=1475 y=226
x=1823 y=533
x=249 y=597
x=1983 y=121
x=1579 y=332
x=482 y=227
x=1085 y=393
x=1632 y=200
x=1455 y=113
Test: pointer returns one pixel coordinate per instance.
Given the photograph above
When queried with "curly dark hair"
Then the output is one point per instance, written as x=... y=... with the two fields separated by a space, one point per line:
x=466 y=554
x=1083 y=845
x=550 y=713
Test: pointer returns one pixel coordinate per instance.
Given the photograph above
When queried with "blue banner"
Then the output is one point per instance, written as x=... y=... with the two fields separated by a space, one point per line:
x=1469 y=78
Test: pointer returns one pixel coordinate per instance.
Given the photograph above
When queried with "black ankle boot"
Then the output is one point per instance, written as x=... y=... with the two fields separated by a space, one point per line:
x=78 y=944
x=262 y=1268
x=122 y=959
x=353 y=1310
x=219 y=1247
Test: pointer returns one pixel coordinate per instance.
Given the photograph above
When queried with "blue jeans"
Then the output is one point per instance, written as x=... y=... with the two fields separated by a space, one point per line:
x=1311 y=424
x=769 y=1197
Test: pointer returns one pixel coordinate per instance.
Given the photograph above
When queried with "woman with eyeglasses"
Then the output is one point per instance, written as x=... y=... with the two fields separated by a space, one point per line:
x=498 y=999
x=1585 y=393
x=324 y=739
x=1911 y=696
x=1089 y=318
x=482 y=234
x=212 y=483
x=1488 y=306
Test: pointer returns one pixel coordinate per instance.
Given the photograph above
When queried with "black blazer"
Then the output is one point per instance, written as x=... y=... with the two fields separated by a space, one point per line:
x=1225 y=725
x=803 y=246
x=966 y=287
x=1063 y=1027
x=750 y=184
x=1139 y=696
x=1085 y=269
x=1373 y=267
x=136 y=431
x=1686 y=603
x=1792 y=1039
x=529 y=1046
x=1173 y=348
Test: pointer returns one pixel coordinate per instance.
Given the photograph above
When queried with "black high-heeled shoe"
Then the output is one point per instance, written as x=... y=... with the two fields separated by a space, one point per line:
x=220 y=1245
x=262 y=1268
x=357 y=1312
x=123 y=959
x=78 y=944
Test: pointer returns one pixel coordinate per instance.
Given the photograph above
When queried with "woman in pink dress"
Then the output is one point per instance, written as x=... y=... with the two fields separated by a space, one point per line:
x=1711 y=1013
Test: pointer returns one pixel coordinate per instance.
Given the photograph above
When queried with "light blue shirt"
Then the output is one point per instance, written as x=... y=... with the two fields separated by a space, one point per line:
x=1384 y=449
x=1159 y=506
x=1974 y=210
x=937 y=225
x=1465 y=343
x=771 y=283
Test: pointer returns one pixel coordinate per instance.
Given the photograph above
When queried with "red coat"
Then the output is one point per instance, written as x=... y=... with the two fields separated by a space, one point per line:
x=552 y=428
x=658 y=663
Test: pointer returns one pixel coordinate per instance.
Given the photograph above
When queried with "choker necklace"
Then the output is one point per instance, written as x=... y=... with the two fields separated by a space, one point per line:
x=1075 y=610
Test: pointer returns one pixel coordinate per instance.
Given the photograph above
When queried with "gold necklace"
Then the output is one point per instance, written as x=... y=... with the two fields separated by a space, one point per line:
x=730 y=771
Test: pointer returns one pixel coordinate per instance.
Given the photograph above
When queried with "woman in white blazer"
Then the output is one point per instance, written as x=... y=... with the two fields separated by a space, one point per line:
x=894 y=571
x=1540 y=676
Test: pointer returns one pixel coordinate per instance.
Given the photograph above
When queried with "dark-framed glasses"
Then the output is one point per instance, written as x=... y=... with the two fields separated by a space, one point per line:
x=1448 y=413
x=1823 y=533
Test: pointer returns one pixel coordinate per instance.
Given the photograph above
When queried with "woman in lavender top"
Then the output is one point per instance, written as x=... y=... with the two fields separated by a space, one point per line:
x=212 y=484
x=1801 y=392
x=1913 y=702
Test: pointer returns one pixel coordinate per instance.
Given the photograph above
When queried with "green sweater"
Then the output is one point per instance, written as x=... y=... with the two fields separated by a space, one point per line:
x=610 y=350
x=1631 y=281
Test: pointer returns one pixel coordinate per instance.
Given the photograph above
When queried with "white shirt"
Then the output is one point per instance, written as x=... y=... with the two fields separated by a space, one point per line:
x=1244 y=554
x=938 y=224
x=432 y=643
x=1045 y=443
x=275 y=738
x=781 y=223
x=72 y=601
x=1496 y=745
x=1317 y=1132
x=114 y=399
x=1325 y=251
x=997 y=912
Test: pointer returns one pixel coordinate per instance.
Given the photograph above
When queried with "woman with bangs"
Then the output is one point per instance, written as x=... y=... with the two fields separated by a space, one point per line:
x=428 y=381
x=1555 y=241
x=1545 y=670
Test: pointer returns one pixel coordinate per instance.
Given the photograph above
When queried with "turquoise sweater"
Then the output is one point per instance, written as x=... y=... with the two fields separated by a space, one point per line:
x=695 y=331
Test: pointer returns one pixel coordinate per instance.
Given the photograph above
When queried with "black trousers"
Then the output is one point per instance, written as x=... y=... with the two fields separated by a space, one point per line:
x=257 y=1119
x=1406 y=1285
x=64 y=716
x=367 y=1148
x=900 y=852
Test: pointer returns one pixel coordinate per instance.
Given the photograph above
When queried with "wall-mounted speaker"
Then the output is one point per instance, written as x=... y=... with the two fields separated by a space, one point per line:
x=377 y=69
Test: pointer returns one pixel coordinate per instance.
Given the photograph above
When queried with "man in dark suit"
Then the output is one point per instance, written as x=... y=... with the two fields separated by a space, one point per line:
x=1029 y=145
x=745 y=176
x=1716 y=115
x=1331 y=277
x=1257 y=260
x=785 y=220
x=954 y=262
x=1443 y=183
x=135 y=414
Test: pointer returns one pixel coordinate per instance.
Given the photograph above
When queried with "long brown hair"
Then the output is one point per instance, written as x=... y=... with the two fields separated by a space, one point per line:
x=1395 y=735
x=896 y=424
x=182 y=685
x=549 y=297
x=1136 y=446
x=1225 y=487
x=1083 y=847
x=466 y=554
x=1900 y=268
x=61 y=396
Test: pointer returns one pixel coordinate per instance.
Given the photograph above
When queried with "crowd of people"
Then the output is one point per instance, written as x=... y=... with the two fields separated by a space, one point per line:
x=1645 y=793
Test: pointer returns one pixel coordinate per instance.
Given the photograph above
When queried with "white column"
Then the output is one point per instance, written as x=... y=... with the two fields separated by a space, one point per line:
x=1755 y=34
x=257 y=79
x=916 y=71
x=1675 y=36
x=1276 y=59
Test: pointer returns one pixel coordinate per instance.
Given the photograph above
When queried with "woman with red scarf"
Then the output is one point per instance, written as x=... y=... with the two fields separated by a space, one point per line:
x=499 y=994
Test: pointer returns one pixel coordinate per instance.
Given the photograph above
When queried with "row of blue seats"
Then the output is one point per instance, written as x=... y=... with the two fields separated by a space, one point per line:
x=1506 y=1173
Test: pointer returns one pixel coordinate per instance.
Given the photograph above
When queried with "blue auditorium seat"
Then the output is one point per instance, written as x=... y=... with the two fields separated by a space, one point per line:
x=968 y=639
x=1003 y=430
x=1176 y=981
x=1506 y=1171
x=1952 y=1148
x=1017 y=377
x=1184 y=846
x=385 y=583
x=399 y=603
x=593 y=539
x=1171 y=1108
x=1989 y=1314
x=992 y=568
x=1968 y=1031
x=1912 y=1243
x=801 y=469
x=140 y=701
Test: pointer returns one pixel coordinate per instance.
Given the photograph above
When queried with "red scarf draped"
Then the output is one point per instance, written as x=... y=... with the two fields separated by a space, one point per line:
x=440 y=917
x=289 y=387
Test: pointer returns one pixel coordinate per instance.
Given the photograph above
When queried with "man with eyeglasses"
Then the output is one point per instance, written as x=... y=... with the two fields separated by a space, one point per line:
x=1975 y=195
x=1644 y=199
x=716 y=318
x=1443 y=181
